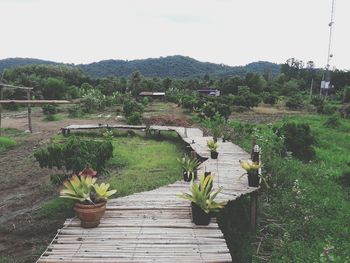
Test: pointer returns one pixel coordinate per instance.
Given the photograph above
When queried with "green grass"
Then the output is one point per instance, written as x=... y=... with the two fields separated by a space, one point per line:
x=6 y=143
x=53 y=117
x=307 y=209
x=139 y=164
x=142 y=164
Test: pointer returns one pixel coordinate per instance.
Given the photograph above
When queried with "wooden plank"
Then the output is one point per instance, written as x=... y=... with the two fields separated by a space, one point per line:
x=28 y=101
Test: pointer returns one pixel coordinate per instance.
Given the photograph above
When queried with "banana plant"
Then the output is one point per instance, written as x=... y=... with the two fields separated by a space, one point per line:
x=203 y=195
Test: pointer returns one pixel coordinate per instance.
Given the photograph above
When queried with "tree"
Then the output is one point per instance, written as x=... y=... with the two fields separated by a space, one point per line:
x=135 y=83
x=54 y=89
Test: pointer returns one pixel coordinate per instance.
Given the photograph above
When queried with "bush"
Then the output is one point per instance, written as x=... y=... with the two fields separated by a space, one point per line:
x=294 y=102
x=130 y=106
x=345 y=178
x=327 y=109
x=298 y=140
x=134 y=119
x=52 y=117
x=49 y=109
x=332 y=122
x=75 y=112
x=345 y=111
x=75 y=154
x=346 y=94
x=317 y=101
x=269 y=98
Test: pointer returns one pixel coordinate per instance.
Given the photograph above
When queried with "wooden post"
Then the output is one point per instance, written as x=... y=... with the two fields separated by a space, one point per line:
x=253 y=210
x=185 y=132
x=255 y=156
x=1 y=98
x=29 y=113
x=311 y=86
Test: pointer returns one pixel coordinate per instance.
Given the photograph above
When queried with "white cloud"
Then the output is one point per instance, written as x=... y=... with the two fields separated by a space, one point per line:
x=222 y=31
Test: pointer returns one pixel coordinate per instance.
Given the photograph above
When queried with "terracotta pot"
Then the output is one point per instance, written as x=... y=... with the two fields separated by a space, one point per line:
x=90 y=215
x=199 y=217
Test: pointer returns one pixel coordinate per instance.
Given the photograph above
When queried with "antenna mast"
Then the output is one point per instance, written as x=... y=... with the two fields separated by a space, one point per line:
x=326 y=78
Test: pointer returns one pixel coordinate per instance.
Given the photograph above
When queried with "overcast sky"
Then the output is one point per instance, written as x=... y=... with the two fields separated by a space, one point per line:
x=233 y=32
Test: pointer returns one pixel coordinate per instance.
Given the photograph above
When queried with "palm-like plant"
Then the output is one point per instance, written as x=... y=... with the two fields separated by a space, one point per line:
x=203 y=195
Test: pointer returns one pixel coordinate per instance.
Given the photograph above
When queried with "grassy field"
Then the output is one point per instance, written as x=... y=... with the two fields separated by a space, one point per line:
x=135 y=167
x=304 y=217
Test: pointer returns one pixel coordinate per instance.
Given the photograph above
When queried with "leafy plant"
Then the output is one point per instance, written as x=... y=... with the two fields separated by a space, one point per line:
x=134 y=119
x=212 y=146
x=332 y=122
x=189 y=164
x=298 y=140
x=85 y=190
x=203 y=195
x=75 y=154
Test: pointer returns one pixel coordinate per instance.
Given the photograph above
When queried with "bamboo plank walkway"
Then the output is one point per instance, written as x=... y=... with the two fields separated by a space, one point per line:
x=155 y=226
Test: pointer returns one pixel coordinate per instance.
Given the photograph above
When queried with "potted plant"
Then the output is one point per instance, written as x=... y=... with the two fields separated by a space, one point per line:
x=92 y=198
x=212 y=146
x=189 y=166
x=252 y=170
x=202 y=200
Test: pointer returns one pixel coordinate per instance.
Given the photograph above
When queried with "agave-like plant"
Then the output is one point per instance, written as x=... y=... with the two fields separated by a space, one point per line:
x=189 y=164
x=102 y=192
x=212 y=146
x=203 y=195
x=84 y=190
x=249 y=165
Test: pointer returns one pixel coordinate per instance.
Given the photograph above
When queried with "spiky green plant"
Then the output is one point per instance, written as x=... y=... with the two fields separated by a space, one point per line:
x=203 y=195
x=189 y=164
x=212 y=146
x=85 y=190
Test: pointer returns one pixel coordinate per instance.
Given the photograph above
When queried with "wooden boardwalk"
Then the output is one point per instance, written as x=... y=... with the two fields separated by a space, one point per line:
x=155 y=226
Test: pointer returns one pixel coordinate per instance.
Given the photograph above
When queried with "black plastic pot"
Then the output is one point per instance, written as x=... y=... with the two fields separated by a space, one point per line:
x=253 y=179
x=214 y=155
x=199 y=217
x=188 y=176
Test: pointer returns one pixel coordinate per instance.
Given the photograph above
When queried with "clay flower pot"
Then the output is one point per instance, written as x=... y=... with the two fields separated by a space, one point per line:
x=90 y=215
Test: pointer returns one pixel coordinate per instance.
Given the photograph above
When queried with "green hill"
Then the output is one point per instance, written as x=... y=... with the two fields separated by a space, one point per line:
x=171 y=66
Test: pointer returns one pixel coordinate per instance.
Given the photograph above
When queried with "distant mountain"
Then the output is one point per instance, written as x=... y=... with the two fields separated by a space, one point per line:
x=171 y=66
x=15 y=62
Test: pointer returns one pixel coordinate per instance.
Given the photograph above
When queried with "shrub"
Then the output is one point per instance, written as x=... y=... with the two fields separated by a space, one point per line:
x=327 y=109
x=317 y=101
x=75 y=112
x=135 y=118
x=298 y=140
x=57 y=179
x=49 y=109
x=75 y=154
x=269 y=98
x=345 y=111
x=168 y=121
x=346 y=94
x=294 y=102
x=130 y=106
x=332 y=122
x=52 y=117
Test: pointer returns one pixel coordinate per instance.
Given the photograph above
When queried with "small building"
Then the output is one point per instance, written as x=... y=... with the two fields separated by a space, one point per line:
x=152 y=94
x=209 y=92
